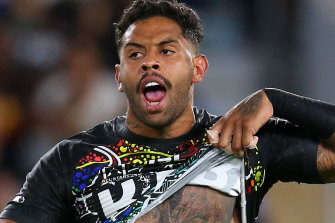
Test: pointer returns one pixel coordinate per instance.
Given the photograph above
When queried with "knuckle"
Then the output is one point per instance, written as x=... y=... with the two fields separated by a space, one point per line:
x=246 y=141
x=236 y=145
x=240 y=153
x=247 y=124
x=222 y=145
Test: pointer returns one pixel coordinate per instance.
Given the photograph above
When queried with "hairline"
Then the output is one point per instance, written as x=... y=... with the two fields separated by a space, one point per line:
x=195 y=46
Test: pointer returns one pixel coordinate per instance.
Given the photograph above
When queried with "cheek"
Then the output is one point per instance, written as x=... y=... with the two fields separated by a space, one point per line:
x=181 y=73
x=128 y=84
x=127 y=74
x=181 y=68
x=187 y=67
x=183 y=83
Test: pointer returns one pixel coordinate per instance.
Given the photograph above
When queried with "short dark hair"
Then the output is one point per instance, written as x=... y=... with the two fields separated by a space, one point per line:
x=187 y=18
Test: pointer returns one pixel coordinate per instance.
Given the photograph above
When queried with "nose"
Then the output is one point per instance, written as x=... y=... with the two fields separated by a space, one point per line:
x=150 y=63
x=146 y=67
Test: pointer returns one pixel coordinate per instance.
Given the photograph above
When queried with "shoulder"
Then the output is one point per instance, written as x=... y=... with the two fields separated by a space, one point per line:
x=103 y=130
x=204 y=117
x=103 y=133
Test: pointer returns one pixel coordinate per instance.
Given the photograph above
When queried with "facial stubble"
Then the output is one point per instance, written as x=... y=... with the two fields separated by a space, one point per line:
x=179 y=96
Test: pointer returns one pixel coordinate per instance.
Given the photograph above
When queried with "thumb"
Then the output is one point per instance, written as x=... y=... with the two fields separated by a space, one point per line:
x=253 y=142
x=215 y=131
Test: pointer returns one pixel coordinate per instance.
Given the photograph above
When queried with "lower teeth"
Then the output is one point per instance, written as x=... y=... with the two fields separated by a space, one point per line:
x=153 y=103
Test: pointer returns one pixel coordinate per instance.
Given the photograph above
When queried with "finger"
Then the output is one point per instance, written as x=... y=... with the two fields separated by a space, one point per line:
x=237 y=137
x=218 y=125
x=253 y=142
x=226 y=135
x=247 y=135
x=213 y=136
x=214 y=132
x=239 y=153
x=228 y=149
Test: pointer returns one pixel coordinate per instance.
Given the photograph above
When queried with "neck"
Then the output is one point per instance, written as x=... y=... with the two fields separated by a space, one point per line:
x=178 y=127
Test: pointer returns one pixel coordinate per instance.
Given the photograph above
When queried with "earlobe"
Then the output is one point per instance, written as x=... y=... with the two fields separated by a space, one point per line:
x=200 y=68
x=117 y=77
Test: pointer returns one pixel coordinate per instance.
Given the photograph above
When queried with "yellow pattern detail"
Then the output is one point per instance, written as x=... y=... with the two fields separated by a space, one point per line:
x=87 y=164
x=151 y=152
x=137 y=161
x=123 y=149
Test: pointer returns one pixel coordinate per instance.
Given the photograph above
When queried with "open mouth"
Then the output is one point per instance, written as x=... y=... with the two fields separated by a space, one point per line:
x=153 y=94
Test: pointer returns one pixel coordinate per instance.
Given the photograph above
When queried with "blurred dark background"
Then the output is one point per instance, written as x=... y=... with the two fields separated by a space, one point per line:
x=57 y=62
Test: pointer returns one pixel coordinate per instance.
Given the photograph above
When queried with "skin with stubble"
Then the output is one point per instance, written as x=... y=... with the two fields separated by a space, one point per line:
x=154 y=50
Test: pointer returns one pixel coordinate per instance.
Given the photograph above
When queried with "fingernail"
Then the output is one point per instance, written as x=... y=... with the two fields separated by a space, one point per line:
x=253 y=142
x=228 y=150
x=240 y=154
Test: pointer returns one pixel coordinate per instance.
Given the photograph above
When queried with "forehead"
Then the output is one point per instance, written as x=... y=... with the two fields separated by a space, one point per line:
x=154 y=29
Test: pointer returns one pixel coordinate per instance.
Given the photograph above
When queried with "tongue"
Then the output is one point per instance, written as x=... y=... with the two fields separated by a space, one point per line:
x=154 y=96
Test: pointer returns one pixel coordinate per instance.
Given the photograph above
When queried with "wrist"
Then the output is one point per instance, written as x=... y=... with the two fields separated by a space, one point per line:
x=268 y=103
x=278 y=99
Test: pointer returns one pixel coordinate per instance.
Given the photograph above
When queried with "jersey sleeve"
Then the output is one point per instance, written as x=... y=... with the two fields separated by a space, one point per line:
x=284 y=152
x=289 y=153
x=43 y=195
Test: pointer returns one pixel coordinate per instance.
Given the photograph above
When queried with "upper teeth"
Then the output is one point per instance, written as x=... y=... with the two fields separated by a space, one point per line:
x=150 y=84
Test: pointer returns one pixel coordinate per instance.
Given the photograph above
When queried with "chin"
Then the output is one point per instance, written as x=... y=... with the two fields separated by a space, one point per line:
x=158 y=122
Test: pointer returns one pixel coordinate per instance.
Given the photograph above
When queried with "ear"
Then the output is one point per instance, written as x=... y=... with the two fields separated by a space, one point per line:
x=117 y=77
x=200 y=68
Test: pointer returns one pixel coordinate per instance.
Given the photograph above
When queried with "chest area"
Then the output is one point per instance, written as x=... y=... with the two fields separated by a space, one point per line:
x=113 y=183
x=193 y=204
x=117 y=182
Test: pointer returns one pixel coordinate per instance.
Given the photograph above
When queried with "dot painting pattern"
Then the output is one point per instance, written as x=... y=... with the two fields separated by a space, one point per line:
x=255 y=172
x=129 y=154
x=111 y=170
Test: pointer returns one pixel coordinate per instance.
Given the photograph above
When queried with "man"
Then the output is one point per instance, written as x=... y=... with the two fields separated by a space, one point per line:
x=122 y=169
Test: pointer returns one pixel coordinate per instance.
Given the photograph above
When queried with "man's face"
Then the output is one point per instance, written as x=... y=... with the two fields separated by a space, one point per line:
x=156 y=71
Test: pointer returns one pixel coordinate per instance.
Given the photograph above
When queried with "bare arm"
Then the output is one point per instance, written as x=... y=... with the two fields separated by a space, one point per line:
x=242 y=122
x=326 y=160
x=238 y=127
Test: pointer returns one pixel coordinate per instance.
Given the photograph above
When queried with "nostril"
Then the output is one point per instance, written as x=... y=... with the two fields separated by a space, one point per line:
x=144 y=68
x=155 y=66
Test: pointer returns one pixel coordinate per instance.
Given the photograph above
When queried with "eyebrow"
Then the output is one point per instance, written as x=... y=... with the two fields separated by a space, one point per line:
x=133 y=44
x=164 y=42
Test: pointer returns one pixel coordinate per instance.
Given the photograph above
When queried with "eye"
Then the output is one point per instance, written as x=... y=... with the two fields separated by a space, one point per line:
x=167 y=52
x=135 y=55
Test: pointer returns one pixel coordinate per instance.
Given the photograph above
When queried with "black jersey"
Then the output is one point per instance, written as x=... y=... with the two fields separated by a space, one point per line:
x=84 y=178
x=284 y=153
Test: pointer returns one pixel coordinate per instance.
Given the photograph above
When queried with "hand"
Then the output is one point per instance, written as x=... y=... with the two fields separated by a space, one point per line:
x=237 y=128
